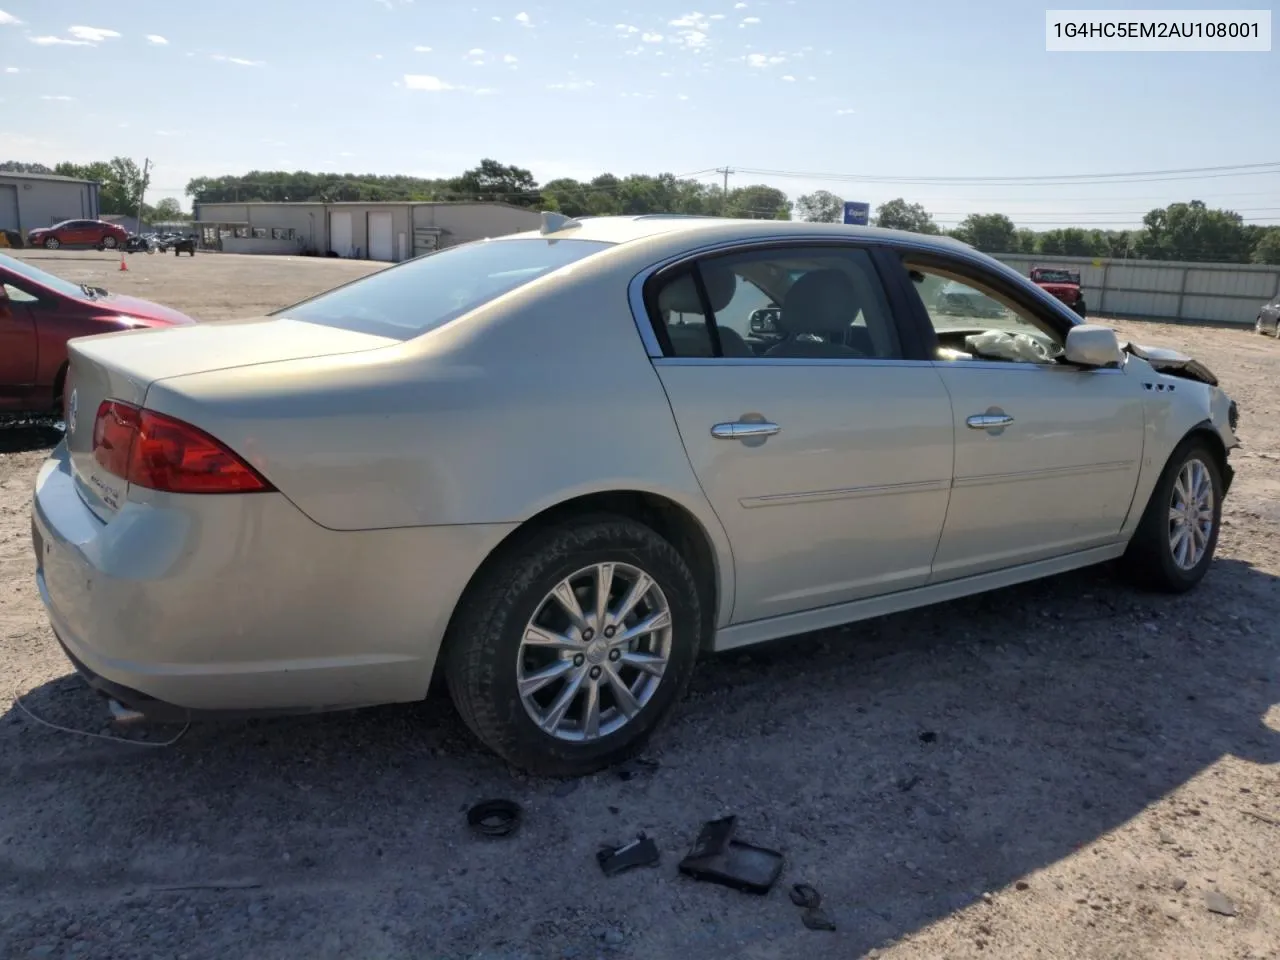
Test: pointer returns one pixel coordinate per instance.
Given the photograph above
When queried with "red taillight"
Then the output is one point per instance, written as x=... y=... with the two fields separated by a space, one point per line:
x=165 y=454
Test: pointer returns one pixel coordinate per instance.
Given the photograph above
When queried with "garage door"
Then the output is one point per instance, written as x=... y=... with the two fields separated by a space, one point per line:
x=340 y=233
x=381 y=244
x=8 y=208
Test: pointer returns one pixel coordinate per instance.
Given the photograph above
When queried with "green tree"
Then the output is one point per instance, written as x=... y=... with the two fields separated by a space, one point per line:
x=989 y=232
x=168 y=209
x=1026 y=241
x=757 y=202
x=494 y=181
x=1193 y=231
x=821 y=206
x=1267 y=249
x=897 y=214
x=17 y=166
x=120 y=179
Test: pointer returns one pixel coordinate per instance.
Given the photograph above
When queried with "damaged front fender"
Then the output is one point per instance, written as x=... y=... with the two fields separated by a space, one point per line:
x=1172 y=362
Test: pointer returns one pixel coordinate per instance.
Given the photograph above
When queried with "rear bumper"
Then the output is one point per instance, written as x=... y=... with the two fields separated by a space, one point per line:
x=183 y=606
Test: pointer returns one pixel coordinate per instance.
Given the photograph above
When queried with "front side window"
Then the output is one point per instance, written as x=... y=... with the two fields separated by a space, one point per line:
x=425 y=293
x=815 y=303
x=972 y=321
x=24 y=269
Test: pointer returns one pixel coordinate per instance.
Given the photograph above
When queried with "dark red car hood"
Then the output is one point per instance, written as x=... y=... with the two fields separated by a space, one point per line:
x=143 y=309
x=1059 y=289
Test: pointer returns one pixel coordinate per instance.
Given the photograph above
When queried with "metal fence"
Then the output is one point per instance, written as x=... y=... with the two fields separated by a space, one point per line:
x=1230 y=293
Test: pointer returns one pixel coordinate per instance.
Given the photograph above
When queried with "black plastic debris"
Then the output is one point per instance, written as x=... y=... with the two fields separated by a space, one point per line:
x=803 y=895
x=640 y=852
x=494 y=818
x=716 y=857
x=815 y=919
x=928 y=736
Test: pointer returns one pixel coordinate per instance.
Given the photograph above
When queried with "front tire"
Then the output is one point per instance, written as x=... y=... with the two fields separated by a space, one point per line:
x=51 y=243
x=109 y=242
x=575 y=645
x=1175 y=541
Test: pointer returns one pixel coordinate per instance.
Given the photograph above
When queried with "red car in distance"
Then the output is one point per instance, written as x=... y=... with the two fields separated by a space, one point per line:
x=39 y=313
x=79 y=233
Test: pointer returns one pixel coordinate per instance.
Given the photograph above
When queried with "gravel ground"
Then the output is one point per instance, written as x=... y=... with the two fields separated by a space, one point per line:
x=1063 y=769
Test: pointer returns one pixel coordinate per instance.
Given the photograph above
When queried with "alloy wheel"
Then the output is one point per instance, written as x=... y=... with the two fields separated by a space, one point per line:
x=1191 y=511
x=594 y=652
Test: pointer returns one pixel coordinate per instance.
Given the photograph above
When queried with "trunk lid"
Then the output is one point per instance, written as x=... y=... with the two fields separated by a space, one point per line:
x=123 y=366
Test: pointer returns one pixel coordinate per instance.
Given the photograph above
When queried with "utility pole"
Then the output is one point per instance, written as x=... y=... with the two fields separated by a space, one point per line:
x=146 y=163
x=724 y=197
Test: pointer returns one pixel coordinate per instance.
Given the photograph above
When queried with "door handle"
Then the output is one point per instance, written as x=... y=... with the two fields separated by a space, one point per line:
x=744 y=430
x=988 y=421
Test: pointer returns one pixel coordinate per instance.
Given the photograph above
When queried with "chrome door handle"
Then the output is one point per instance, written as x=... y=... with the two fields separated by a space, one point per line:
x=987 y=421
x=744 y=430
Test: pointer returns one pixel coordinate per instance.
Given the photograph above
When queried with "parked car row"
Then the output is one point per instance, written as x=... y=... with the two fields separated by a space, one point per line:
x=735 y=431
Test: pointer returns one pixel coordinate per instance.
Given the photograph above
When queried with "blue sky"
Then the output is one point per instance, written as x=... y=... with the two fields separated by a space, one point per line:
x=575 y=88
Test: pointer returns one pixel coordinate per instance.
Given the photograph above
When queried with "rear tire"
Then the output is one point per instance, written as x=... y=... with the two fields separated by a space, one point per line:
x=495 y=673
x=1155 y=557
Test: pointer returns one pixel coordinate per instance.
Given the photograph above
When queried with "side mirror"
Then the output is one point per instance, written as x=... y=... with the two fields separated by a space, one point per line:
x=1093 y=345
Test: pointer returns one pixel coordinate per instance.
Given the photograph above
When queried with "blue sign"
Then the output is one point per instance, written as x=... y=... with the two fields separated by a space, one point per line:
x=857 y=212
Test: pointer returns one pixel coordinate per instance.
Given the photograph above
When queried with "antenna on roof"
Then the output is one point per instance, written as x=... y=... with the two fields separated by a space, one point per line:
x=553 y=222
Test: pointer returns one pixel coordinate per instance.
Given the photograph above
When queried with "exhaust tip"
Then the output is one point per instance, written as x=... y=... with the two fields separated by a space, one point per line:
x=123 y=715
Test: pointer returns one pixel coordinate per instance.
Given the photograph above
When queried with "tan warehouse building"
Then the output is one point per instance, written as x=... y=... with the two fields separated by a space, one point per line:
x=365 y=231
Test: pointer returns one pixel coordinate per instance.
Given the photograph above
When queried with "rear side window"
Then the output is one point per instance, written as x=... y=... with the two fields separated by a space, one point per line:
x=425 y=293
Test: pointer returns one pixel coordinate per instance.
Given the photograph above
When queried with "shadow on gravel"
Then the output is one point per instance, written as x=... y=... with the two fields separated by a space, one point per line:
x=24 y=436
x=905 y=766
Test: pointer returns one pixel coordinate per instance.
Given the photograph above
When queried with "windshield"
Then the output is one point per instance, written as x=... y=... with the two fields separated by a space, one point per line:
x=427 y=292
x=24 y=269
x=1054 y=276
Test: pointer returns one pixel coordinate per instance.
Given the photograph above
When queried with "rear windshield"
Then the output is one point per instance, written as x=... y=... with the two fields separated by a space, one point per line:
x=427 y=292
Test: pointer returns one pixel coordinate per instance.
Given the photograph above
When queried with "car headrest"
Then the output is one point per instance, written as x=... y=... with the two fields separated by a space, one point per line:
x=821 y=302
x=681 y=296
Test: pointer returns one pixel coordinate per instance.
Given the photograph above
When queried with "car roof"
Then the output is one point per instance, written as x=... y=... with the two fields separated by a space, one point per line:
x=725 y=229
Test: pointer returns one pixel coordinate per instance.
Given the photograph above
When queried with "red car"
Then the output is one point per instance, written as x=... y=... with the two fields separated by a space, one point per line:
x=79 y=233
x=39 y=313
x=1063 y=284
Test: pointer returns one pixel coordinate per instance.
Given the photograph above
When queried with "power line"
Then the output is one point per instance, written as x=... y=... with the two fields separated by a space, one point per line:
x=1141 y=176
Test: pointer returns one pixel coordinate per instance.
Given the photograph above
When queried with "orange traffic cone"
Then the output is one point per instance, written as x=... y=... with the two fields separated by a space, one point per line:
x=123 y=266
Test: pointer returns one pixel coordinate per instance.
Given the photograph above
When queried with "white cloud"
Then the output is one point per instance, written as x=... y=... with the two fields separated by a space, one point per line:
x=157 y=39
x=59 y=41
x=346 y=153
x=8 y=19
x=523 y=18
x=747 y=20
x=717 y=16
x=652 y=38
x=423 y=81
x=475 y=52
x=682 y=96
x=845 y=111
x=789 y=79
x=168 y=133
x=739 y=6
x=12 y=69
x=572 y=85
x=509 y=59
x=496 y=19
x=484 y=91
x=421 y=49
x=760 y=60
x=626 y=28
x=57 y=97
x=238 y=61
x=691 y=29
x=93 y=34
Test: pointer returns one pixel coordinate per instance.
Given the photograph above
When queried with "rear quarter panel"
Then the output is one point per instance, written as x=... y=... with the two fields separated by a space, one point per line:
x=542 y=396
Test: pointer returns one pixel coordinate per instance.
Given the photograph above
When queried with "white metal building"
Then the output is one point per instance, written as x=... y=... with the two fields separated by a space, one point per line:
x=31 y=200
x=367 y=231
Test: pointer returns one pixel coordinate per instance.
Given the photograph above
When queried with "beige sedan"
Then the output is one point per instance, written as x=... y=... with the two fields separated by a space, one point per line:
x=558 y=465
